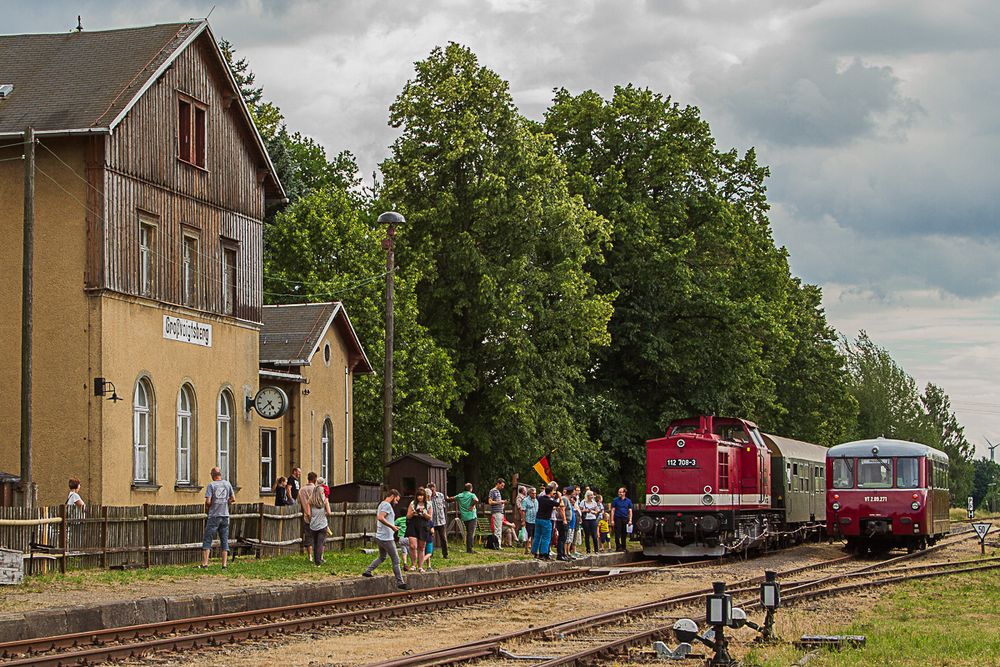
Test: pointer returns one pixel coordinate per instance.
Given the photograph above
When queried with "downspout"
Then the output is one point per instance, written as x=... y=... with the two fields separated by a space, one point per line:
x=347 y=425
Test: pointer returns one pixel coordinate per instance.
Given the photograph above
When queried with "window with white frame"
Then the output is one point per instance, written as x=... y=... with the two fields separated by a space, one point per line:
x=147 y=256
x=325 y=450
x=185 y=433
x=229 y=255
x=268 y=455
x=189 y=270
x=224 y=436
x=142 y=433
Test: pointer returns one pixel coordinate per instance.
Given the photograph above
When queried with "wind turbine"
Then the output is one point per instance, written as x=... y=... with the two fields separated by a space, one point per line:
x=991 y=447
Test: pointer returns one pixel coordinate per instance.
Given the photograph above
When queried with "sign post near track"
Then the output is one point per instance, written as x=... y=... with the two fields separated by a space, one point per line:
x=981 y=529
x=972 y=509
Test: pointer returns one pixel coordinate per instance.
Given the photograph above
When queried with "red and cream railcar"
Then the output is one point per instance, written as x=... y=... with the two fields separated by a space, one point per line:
x=708 y=488
x=884 y=494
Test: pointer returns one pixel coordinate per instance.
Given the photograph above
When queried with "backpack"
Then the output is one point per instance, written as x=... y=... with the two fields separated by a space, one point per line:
x=492 y=543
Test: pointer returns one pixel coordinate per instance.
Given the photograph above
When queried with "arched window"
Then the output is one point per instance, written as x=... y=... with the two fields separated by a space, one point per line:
x=225 y=437
x=185 y=433
x=325 y=451
x=142 y=432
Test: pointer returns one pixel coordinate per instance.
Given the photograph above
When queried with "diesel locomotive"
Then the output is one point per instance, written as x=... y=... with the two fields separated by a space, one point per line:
x=884 y=494
x=716 y=485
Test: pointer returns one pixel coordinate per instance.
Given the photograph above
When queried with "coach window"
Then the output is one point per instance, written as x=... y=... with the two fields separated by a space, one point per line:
x=843 y=474
x=874 y=474
x=907 y=473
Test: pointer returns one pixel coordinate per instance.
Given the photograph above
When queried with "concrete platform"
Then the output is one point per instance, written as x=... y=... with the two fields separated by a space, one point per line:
x=84 y=618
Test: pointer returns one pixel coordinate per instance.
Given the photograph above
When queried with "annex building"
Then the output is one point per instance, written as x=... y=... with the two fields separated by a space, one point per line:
x=151 y=186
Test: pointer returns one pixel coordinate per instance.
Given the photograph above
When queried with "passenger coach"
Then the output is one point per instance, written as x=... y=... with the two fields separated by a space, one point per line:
x=884 y=494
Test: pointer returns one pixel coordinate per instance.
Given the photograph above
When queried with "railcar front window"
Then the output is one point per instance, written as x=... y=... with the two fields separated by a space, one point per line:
x=843 y=474
x=874 y=474
x=907 y=473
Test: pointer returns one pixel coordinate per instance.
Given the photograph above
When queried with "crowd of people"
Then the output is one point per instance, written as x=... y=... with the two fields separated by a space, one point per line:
x=550 y=522
x=555 y=524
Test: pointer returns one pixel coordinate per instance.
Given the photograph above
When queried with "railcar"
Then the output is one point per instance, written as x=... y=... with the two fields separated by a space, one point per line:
x=717 y=485
x=884 y=494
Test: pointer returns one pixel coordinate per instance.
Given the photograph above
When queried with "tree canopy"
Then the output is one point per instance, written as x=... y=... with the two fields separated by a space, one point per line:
x=571 y=285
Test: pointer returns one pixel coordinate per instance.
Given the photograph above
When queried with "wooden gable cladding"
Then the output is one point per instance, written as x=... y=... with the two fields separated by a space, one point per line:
x=129 y=198
x=221 y=205
x=145 y=144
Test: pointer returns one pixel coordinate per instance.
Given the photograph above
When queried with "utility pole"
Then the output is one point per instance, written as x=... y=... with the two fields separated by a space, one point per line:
x=27 y=296
x=390 y=219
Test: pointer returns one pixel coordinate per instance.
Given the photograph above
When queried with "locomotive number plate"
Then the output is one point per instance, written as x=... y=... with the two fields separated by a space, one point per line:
x=681 y=463
x=876 y=499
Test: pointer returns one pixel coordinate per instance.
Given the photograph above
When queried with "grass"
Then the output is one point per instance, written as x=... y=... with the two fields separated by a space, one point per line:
x=347 y=563
x=947 y=621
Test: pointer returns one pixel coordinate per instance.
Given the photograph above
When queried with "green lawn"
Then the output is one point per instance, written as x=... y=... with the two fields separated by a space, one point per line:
x=348 y=563
x=949 y=621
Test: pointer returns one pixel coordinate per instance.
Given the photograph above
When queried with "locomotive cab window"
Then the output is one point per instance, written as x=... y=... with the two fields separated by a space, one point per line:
x=843 y=474
x=874 y=474
x=907 y=473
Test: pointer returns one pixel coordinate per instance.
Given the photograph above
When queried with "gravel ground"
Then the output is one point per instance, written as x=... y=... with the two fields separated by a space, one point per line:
x=376 y=641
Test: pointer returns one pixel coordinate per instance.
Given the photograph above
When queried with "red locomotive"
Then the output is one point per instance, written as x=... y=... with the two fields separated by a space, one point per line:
x=883 y=494
x=717 y=484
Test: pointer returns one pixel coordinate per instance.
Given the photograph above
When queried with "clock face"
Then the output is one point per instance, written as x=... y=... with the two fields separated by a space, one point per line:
x=270 y=402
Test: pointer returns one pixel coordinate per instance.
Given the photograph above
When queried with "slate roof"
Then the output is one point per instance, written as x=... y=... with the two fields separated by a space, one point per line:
x=81 y=80
x=290 y=333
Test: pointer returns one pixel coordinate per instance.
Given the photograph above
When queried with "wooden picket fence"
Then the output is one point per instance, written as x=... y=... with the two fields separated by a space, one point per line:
x=64 y=538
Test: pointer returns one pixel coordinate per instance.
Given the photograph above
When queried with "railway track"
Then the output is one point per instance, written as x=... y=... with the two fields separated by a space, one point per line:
x=139 y=640
x=599 y=636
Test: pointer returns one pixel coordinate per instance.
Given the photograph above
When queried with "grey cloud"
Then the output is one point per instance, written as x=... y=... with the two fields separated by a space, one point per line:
x=793 y=95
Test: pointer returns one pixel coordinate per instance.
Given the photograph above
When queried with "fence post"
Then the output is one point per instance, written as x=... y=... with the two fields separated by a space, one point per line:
x=343 y=531
x=63 y=537
x=104 y=537
x=260 y=529
x=146 y=532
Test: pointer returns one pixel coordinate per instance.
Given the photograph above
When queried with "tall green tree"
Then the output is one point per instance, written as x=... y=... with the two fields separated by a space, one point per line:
x=951 y=439
x=502 y=248
x=707 y=317
x=325 y=245
x=890 y=405
x=986 y=484
x=888 y=399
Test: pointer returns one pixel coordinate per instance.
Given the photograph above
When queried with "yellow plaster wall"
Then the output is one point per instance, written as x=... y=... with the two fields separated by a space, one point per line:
x=326 y=399
x=134 y=345
x=62 y=326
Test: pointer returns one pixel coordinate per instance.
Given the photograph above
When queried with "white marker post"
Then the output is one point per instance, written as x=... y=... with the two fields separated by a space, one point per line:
x=972 y=509
x=981 y=529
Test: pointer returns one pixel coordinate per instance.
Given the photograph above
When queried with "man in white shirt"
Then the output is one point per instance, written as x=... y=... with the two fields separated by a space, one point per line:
x=385 y=537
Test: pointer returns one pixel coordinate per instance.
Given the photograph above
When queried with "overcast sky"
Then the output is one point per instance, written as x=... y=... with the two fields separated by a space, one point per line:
x=879 y=122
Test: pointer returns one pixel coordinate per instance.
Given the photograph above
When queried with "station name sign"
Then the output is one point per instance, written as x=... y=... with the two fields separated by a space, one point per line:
x=187 y=331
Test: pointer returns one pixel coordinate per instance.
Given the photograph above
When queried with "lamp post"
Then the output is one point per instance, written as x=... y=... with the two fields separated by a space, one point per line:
x=390 y=219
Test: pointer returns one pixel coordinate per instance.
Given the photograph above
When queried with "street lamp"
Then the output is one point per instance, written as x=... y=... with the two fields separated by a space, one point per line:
x=390 y=219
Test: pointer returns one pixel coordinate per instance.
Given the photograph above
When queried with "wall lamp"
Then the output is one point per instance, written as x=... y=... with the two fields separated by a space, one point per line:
x=102 y=387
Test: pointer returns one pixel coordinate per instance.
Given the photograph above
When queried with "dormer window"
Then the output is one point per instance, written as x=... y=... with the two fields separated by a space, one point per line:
x=192 y=129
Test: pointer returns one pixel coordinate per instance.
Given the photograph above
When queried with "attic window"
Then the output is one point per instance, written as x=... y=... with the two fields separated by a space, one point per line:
x=191 y=131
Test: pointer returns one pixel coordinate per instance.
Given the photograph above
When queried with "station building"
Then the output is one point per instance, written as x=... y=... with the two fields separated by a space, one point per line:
x=151 y=186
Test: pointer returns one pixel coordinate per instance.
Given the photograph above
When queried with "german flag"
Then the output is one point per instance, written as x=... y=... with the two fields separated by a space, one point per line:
x=543 y=469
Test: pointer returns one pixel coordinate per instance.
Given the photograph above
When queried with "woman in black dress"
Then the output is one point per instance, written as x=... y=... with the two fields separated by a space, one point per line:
x=281 y=497
x=419 y=524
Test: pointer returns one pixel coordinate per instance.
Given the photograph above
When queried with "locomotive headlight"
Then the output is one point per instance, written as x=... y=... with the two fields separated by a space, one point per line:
x=654 y=499
x=914 y=506
x=836 y=507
